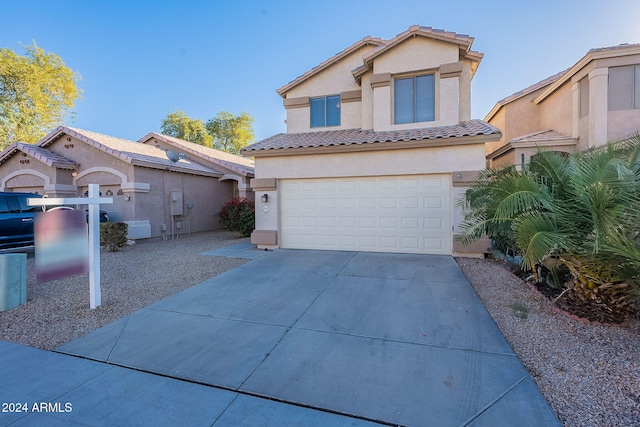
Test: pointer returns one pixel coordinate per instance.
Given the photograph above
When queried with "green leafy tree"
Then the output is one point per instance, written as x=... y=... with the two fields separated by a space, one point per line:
x=36 y=92
x=231 y=133
x=179 y=125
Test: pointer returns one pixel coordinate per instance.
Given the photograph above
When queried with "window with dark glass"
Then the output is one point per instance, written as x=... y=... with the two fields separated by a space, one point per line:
x=414 y=99
x=325 y=111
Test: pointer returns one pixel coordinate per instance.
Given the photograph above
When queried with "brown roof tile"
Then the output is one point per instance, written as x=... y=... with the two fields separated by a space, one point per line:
x=227 y=160
x=543 y=135
x=348 y=137
x=47 y=157
x=129 y=151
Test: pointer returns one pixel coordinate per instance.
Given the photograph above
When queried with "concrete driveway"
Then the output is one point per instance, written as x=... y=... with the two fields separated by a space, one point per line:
x=317 y=338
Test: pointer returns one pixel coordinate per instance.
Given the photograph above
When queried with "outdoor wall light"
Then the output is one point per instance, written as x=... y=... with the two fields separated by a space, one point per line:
x=127 y=198
x=264 y=198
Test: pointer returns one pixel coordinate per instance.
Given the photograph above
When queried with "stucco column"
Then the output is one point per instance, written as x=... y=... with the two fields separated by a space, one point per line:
x=381 y=86
x=598 y=106
x=575 y=128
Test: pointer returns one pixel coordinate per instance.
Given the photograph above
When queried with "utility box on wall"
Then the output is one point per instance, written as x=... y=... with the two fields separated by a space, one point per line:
x=13 y=280
x=175 y=203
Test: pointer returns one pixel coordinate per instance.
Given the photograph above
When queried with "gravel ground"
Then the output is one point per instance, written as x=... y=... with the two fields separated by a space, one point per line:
x=590 y=374
x=57 y=312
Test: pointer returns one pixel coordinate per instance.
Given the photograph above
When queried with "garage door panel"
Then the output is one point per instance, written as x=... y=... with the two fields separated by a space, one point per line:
x=367 y=202
x=388 y=202
x=386 y=214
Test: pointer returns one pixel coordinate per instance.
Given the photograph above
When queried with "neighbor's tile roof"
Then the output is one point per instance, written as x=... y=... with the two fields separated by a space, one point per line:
x=227 y=160
x=358 y=136
x=129 y=151
x=47 y=157
x=543 y=135
x=526 y=91
x=614 y=48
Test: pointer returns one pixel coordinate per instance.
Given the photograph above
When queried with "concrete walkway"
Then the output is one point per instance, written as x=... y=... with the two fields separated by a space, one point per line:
x=291 y=338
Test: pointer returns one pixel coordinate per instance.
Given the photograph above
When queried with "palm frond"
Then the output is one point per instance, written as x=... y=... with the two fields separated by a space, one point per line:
x=539 y=236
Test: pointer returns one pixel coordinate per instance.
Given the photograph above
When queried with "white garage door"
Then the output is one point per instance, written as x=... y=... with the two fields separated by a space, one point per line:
x=406 y=214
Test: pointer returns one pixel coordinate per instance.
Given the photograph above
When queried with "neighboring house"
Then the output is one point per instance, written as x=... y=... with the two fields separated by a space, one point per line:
x=594 y=102
x=379 y=148
x=234 y=168
x=153 y=195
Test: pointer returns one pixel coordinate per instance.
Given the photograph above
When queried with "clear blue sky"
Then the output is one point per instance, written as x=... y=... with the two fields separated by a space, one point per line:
x=142 y=59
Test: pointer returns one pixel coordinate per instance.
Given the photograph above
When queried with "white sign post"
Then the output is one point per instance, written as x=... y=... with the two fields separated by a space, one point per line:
x=94 y=201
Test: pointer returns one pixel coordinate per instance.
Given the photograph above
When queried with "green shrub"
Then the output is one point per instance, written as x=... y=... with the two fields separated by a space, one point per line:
x=239 y=215
x=113 y=235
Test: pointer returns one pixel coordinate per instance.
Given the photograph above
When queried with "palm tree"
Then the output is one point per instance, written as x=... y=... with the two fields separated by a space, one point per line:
x=581 y=211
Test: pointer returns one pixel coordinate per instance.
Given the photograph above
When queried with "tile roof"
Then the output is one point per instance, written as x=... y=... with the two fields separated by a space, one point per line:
x=229 y=161
x=129 y=151
x=47 y=157
x=526 y=91
x=614 y=48
x=350 y=137
x=543 y=135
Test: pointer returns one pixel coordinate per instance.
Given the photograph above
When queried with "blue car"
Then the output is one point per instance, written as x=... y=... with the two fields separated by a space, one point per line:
x=16 y=219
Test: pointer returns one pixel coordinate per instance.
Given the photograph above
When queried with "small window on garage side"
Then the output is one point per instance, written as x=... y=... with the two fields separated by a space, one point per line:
x=414 y=99
x=325 y=111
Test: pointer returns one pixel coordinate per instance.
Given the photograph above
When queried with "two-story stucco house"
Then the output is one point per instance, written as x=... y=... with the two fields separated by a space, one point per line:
x=379 y=148
x=594 y=102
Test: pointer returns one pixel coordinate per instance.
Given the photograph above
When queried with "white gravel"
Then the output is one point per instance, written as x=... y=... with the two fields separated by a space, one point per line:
x=590 y=374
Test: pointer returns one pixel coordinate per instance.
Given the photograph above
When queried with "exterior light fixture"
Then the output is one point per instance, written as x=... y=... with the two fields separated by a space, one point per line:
x=264 y=198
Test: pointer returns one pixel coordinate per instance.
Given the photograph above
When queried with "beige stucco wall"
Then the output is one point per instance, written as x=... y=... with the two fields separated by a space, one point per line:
x=498 y=120
x=367 y=102
x=17 y=176
x=418 y=54
x=374 y=163
x=556 y=111
x=623 y=124
x=206 y=194
x=333 y=80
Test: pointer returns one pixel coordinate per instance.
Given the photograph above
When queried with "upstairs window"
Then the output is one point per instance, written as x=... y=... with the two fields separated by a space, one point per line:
x=624 y=88
x=325 y=111
x=414 y=99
